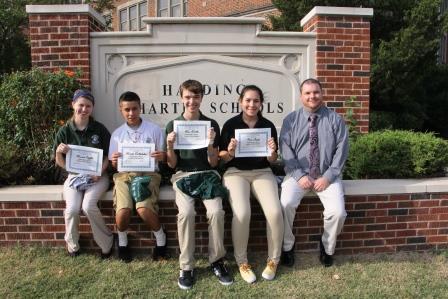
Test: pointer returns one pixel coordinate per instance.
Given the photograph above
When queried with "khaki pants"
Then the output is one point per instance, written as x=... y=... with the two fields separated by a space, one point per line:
x=332 y=199
x=122 y=196
x=186 y=226
x=87 y=201
x=264 y=187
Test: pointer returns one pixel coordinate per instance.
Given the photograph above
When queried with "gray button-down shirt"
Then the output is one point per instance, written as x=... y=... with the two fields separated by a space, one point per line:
x=295 y=145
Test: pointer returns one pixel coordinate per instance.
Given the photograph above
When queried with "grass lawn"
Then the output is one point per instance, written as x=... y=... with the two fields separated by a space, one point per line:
x=30 y=272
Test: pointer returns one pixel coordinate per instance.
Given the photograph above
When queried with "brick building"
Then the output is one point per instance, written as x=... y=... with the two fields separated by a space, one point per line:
x=127 y=14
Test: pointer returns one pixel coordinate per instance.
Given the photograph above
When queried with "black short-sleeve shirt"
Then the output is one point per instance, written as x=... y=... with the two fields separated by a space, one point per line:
x=197 y=159
x=228 y=132
x=94 y=135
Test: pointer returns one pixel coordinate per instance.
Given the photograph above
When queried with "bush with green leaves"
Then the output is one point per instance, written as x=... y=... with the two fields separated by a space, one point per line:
x=10 y=163
x=33 y=105
x=397 y=154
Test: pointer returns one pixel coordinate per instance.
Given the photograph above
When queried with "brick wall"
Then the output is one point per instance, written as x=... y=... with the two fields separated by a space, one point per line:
x=343 y=62
x=61 y=41
x=213 y=8
x=204 y=8
x=375 y=223
x=397 y=222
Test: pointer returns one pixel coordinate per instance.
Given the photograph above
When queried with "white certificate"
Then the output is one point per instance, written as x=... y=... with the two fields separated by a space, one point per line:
x=136 y=157
x=191 y=134
x=252 y=142
x=84 y=160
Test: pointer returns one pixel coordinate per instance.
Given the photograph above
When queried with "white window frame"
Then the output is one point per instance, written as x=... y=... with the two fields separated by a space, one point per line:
x=127 y=8
x=183 y=8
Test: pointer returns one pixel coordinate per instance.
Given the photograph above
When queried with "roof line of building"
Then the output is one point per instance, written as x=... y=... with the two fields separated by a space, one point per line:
x=252 y=11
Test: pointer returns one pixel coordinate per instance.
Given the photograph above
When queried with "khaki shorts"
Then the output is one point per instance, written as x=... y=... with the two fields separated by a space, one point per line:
x=122 y=196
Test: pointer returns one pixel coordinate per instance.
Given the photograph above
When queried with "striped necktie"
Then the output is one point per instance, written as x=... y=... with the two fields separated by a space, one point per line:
x=314 y=147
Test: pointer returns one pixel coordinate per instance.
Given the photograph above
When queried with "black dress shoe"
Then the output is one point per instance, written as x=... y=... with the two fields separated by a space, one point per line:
x=105 y=256
x=325 y=259
x=159 y=253
x=74 y=253
x=124 y=254
x=287 y=258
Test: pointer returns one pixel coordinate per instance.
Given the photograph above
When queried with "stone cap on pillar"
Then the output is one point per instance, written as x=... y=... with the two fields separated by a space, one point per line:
x=66 y=9
x=336 y=11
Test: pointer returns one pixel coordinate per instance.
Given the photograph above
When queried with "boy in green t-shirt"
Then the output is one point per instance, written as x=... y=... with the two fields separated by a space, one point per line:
x=193 y=168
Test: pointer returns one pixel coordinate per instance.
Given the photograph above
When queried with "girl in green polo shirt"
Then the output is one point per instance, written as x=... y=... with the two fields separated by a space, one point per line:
x=82 y=192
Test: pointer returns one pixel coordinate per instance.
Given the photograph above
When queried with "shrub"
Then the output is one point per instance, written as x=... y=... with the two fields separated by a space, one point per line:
x=33 y=105
x=397 y=154
x=10 y=163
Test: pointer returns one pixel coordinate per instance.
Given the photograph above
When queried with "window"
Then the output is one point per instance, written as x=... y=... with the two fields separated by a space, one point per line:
x=443 y=49
x=131 y=16
x=171 y=8
x=123 y=20
x=143 y=12
x=444 y=5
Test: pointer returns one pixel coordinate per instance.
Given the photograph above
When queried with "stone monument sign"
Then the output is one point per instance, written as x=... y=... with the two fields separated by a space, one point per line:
x=224 y=54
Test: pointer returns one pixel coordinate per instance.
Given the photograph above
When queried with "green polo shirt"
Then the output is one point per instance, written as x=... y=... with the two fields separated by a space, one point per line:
x=95 y=135
x=196 y=159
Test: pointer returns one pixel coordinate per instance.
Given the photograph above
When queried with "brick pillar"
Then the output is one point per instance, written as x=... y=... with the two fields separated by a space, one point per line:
x=343 y=57
x=60 y=38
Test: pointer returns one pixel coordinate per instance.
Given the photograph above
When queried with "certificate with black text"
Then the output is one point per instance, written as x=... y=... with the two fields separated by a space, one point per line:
x=136 y=157
x=252 y=142
x=84 y=160
x=191 y=134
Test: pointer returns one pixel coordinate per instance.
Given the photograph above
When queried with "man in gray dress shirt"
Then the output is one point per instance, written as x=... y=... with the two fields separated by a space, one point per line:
x=325 y=181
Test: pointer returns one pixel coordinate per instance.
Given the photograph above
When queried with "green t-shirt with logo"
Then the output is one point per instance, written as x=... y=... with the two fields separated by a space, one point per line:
x=94 y=135
x=196 y=159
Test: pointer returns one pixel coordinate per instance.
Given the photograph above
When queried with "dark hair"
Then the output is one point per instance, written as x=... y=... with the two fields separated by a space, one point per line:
x=254 y=88
x=129 y=96
x=192 y=85
x=310 y=81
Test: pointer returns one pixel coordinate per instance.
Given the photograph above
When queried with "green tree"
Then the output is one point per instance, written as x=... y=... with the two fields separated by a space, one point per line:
x=388 y=14
x=407 y=82
x=14 y=48
x=408 y=87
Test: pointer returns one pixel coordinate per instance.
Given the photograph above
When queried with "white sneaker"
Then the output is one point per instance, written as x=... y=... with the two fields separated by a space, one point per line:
x=247 y=274
x=270 y=270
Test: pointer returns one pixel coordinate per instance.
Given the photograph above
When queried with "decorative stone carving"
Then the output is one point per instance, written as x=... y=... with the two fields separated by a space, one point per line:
x=223 y=53
x=115 y=63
